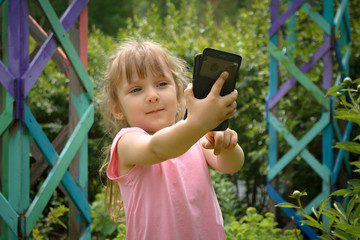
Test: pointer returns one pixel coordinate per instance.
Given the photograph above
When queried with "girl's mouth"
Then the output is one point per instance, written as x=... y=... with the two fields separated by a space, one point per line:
x=154 y=111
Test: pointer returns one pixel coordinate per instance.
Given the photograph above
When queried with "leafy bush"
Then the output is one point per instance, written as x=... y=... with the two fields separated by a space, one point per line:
x=102 y=227
x=45 y=226
x=255 y=226
x=340 y=223
x=343 y=221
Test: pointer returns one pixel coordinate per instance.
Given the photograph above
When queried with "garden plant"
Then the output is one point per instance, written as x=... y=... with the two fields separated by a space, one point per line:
x=342 y=220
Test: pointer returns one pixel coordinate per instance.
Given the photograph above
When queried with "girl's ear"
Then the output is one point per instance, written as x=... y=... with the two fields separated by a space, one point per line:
x=117 y=113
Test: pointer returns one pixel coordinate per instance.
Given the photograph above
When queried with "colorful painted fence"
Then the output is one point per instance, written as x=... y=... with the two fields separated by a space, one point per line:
x=22 y=136
x=290 y=75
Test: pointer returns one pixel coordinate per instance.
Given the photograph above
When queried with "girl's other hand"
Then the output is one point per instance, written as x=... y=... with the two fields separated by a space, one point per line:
x=220 y=140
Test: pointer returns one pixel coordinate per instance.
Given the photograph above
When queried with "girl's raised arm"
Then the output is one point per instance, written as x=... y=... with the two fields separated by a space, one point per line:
x=203 y=115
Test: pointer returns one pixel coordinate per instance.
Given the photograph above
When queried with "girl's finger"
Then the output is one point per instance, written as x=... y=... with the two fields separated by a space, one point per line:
x=216 y=88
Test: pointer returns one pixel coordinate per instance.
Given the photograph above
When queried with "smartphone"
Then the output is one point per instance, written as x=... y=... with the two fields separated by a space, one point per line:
x=207 y=68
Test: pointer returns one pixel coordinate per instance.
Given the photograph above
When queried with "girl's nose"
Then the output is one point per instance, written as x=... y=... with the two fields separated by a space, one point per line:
x=152 y=96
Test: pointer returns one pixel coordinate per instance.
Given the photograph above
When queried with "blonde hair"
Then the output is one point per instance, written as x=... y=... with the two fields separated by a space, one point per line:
x=145 y=58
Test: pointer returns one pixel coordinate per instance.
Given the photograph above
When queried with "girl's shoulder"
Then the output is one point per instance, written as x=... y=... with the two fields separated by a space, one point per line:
x=123 y=131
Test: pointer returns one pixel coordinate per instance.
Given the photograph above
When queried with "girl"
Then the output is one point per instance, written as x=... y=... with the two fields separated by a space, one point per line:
x=159 y=162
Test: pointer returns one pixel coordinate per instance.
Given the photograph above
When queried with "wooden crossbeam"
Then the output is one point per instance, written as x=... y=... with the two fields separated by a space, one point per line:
x=318 y=19
x=40 y=37
x=67 y=46
x=6 y=118
x=340 y=13
x=41 y=165
x=298 y=146
x=8 y=214
x=43 y=56
x=284 y=89
x=314 y=90
x=59 y=168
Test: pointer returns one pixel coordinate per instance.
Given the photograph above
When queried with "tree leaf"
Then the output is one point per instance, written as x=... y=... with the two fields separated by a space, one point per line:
x=323 y=204
x=341 y=192
x=349 y=146
x=354 y=183
x=354 y=230
x=286 y=205
x=313 y=209
x=350 y=117
x=342 y=235
x=330 y=223
x=333 y=90
x=325 y=237
x=340 y=210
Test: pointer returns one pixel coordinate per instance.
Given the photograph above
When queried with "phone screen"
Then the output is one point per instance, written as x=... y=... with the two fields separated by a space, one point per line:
x=212 y=68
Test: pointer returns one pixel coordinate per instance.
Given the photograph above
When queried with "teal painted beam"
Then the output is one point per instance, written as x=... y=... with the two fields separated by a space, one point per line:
x=80 y=104
x=87 y=234
x=51 y=156
x=8 y=214
x=318 y=19
x=291 y=154
x=6 y=118
x=56 y=174
x=314 y=90
x=19 y=171
x=340 y=14
x=67 y=46
x=322 y=171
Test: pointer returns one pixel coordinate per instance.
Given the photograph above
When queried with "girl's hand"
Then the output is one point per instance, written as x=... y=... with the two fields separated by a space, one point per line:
x=220 y=140
x=209 y=112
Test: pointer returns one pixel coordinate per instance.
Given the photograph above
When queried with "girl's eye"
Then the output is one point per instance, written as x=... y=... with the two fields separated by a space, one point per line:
x=135 y=90
x=162 y=84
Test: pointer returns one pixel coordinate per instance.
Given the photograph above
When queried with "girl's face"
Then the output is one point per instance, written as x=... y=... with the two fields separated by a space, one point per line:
x=150 y=103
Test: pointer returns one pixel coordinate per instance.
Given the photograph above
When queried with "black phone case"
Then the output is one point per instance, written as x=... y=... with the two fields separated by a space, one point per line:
x=202 y=84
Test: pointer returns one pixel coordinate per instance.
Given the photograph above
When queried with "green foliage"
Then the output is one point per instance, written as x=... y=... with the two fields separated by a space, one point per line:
x=44 y=226
x=252 y=226
x=343 y=221
x=102 y=227
x=255 y=226
x=348 y=108
x=226 y=193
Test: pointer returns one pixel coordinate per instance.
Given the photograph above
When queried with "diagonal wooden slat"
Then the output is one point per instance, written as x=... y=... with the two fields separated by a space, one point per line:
x=40 y=36
x=301 y=144
x=276 y=24
x=56 y=174
x=8 y=214
x=284 y=89
x=48 y=48
x=340 y=13
x=321 y=170
x=7 y=79
x=67 y=46
x=6 y=118
x=317 y=93
x=51 y=156
x=318 y=19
